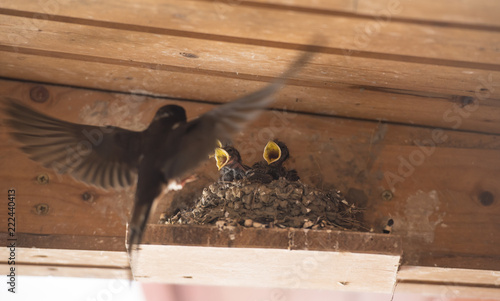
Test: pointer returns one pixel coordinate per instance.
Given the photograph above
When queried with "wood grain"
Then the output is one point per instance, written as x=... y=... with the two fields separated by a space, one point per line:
x=288 y=239
x=82 y=258
x=399 y=110
x=204 y=20
x=70 y=271
x=229 y=59
x=266 y=268
x=449 y=291
x=457 y=276
x=357 y=100
x=425 y=81
x=435 y=208
x=481 y=14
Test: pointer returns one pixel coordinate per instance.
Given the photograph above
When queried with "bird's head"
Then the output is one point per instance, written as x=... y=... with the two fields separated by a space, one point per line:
x=225 y=156
x=275 y=152
x=170 y=113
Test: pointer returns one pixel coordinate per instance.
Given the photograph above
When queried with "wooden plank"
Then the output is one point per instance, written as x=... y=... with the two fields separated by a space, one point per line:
x=481 y=13
x=69 y=271
x=229 y=59
x=447 y=12
x=448 y=283
x=61 y=257
x=456 y=276
x=427 y=213
x=202 y=20
x=467 y=12
x=449 y=291
x=449 y=91
x=289 y=239
x=291 y=258
x=51 y=257
x=67 y=242
x=340 y=100
x=436 y=206
x=267 y=268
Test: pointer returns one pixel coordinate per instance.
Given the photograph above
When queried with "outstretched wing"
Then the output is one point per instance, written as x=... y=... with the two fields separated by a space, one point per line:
x=231 y=118
x=220 y=123
x=102 y=156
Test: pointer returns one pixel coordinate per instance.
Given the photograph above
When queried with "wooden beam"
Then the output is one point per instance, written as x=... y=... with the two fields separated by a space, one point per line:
x=66 y=270
x=204 y=20
x=352 y=101
x=483 y=13
x=275 y=238
x=390 y=84
x=291 y=258
x=67 y=256
x=456 y=276
x=448 y=291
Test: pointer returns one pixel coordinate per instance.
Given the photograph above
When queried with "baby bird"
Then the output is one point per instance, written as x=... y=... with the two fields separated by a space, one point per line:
x=229 y=163
x=275 y=154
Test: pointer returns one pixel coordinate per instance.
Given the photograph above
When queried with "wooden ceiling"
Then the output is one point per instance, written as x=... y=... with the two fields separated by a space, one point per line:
x=400 y=109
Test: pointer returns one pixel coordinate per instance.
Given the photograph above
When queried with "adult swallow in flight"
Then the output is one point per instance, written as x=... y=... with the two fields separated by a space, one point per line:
x=160 y=156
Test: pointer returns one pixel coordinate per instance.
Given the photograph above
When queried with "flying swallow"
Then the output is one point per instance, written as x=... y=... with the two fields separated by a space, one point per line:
x=159 y=157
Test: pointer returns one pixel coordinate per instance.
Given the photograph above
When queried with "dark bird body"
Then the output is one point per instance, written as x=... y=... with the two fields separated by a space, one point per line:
x=111 y=157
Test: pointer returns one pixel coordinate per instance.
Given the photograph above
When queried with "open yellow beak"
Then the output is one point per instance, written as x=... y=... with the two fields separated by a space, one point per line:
x=221 y=157
x=272 y=152
x=219 y=144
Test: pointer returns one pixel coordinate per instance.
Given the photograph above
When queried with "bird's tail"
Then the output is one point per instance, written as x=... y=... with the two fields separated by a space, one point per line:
x=144 y=199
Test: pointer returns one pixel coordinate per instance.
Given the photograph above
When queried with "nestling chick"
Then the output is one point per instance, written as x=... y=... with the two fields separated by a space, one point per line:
x=275 y=154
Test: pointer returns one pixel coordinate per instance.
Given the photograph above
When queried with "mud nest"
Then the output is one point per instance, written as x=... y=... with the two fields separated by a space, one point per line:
x=281 y=203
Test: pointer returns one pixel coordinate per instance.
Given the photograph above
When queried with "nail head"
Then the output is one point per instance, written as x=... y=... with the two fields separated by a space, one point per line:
x=42 y=179
x=486 y=198
x=387 y=195
x=39 y=94
x=88 y=197
x=42 y=209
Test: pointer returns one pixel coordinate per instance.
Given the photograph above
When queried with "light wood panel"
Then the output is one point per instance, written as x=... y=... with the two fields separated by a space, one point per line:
x=291 y=258
x=255 y=25
x=449 y=291
x=69 y=271
x=483 y=14
x=457 y=276
x=153 y=51
x=267 y=268
x=53 y=256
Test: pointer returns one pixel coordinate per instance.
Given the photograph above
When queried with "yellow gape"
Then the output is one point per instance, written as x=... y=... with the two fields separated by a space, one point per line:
x=221 y=157
x=219 y=144
x=272 y=152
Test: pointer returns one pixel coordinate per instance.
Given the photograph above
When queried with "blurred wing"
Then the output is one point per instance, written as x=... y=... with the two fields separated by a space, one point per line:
x=231 y=117
x=102 y=156
x=198 y=137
